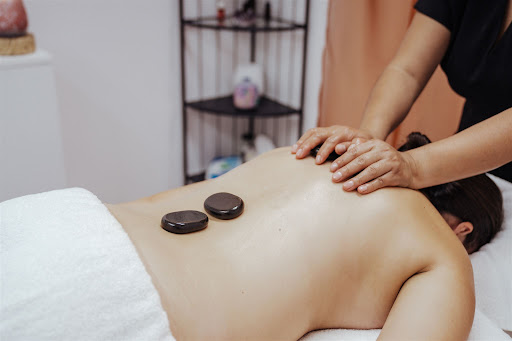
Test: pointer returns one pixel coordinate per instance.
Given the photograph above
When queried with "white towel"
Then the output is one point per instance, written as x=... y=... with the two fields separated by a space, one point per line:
x=483 y=330
x=69 y=272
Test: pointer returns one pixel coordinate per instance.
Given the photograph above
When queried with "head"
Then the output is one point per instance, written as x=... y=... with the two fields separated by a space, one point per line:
x=472 y=207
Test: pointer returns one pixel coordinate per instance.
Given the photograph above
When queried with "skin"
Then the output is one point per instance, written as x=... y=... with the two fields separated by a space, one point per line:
x=302 y=258
x=372 y=163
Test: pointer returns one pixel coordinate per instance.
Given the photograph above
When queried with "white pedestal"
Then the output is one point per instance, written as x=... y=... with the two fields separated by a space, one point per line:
x=31 y=153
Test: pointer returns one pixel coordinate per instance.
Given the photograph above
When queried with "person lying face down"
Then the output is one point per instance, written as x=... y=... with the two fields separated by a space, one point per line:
x=472 y=207
x=305 y=255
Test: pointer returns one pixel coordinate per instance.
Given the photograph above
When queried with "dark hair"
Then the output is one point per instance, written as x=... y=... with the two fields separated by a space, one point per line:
x=476 y=199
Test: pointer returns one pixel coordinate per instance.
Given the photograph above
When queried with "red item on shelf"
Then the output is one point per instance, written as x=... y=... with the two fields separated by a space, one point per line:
x=221 y=11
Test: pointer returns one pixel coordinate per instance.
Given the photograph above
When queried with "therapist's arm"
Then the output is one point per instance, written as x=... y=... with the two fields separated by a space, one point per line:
x=421 y=51
x=475 y=150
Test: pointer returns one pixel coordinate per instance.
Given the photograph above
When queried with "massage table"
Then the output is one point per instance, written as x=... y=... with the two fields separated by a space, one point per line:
x=70 y=272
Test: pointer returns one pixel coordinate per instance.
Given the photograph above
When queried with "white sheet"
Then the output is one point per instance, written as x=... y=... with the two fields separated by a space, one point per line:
x=492 y=266
x=69 y=272
x=483 y=330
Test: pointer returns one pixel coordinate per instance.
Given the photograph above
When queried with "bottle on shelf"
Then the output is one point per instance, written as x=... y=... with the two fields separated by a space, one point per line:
x=221 y=11
x=248 y=86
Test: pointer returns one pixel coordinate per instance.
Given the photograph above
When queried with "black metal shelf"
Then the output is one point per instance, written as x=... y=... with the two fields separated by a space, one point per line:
x=224 y=106
x=232 y=24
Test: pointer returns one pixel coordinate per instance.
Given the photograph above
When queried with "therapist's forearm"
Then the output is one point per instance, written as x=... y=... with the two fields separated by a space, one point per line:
x=478 y=149
x=390 y=101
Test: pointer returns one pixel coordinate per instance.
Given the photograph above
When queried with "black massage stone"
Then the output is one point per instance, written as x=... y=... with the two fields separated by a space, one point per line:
x=184 y=221
x=333 y=156
x=224 y=205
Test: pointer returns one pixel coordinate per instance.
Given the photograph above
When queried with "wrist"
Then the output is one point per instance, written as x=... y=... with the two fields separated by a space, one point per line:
x=415 y=178
x=374 y=132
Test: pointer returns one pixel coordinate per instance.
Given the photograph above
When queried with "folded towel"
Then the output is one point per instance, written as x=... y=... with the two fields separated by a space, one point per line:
x=483 y=330
x=70 y=272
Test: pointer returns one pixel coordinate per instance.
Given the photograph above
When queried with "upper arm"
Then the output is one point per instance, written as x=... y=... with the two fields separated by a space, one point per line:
x=422 y=48
x=438 y=304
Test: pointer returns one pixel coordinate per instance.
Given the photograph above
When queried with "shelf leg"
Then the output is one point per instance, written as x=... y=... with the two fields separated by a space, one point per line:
x=250 y=134
x=253 y=46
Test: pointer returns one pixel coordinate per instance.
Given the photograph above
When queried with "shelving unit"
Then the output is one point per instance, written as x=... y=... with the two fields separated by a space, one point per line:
x=222 y=105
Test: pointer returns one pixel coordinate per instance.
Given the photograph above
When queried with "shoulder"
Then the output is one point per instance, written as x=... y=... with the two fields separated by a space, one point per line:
x=417 y=223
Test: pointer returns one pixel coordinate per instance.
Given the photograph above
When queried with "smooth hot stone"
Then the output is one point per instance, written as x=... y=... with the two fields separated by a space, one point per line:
x=224 y=205
x=333 y=156
x=184 y=221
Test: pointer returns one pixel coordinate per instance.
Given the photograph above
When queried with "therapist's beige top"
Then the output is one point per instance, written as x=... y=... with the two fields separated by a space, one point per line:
x=304 y=255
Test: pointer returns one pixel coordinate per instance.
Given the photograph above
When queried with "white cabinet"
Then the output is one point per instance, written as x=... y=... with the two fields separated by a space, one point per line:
x=31 y=150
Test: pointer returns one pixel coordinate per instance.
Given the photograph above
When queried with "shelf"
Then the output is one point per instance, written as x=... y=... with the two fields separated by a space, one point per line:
x=224 y=106
x=231 y=24
x=245 y=35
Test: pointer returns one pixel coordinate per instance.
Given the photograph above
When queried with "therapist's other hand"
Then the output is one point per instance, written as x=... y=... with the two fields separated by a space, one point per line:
x=380 y=165
x=340 y=136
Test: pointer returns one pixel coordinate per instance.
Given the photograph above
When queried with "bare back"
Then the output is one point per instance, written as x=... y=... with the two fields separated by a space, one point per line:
x=304 y=255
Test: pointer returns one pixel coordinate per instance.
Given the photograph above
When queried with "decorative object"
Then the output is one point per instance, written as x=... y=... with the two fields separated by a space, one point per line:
x=246 y=16
x=248 y=86
x=13 y=18
x=221 y=11
x=14 y=39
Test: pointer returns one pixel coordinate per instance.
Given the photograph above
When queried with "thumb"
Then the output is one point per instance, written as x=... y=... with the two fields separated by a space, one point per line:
x=342 y=147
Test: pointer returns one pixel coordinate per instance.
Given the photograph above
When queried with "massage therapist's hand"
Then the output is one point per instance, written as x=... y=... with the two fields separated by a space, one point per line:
x=380 y=165
x=331 y=137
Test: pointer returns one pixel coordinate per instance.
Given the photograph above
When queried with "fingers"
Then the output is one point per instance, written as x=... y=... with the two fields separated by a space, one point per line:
x=353 y=151
x=327 y=148
x=303 y=138
x=374 y=174
x=374 y=185
x=342 y=147
x=338 y=137
x=311 y=139
x=369 y=167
